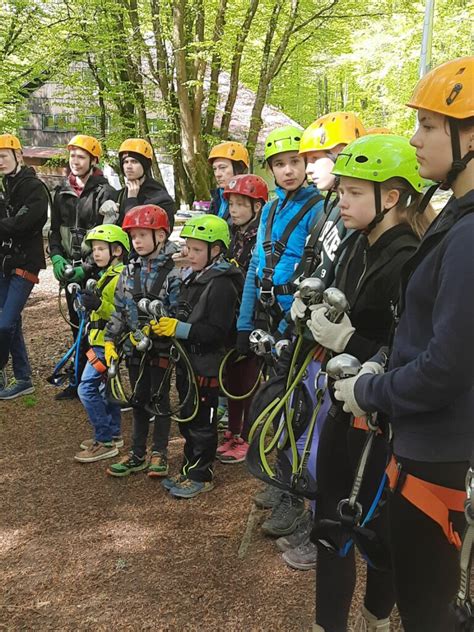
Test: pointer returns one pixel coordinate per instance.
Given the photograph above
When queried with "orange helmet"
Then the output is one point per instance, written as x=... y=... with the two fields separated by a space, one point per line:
x=230 y=150
x=8 y=141
x=447 y=89
x=88 y=143
x=379 y=130
x=333 y=129
x=138 y=146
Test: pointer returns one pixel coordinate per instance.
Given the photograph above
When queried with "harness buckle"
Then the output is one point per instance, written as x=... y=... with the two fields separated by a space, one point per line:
x=349 y=514
x=267 y=297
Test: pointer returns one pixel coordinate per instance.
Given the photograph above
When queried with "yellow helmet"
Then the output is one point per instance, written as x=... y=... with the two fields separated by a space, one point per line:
x=8 y=141
x=447 y=89
x=88 y=143
x=230 y=150
x=378 y=130
x=331 y=130
x=138 y=146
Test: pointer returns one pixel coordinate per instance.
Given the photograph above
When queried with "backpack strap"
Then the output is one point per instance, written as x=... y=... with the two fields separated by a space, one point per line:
x=139 y=291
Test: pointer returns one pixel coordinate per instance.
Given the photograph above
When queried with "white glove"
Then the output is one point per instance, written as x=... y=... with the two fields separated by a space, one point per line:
x=110 y=210
x=333 y=336
x=298 y=308
x=344 y=389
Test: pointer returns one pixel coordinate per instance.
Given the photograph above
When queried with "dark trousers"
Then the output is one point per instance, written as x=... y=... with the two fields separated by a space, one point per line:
x=150 y=381
x=84 y=346
x=340 y=447
x=241 y=377
x=200 y=434
x=425 y=564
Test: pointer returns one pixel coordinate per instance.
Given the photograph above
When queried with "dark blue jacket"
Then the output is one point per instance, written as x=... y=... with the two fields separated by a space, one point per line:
x=428 y=392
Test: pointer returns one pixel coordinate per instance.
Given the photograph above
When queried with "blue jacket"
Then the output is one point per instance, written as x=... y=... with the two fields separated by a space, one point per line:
x=219 y=205
x=290 y=258
x=428 y=392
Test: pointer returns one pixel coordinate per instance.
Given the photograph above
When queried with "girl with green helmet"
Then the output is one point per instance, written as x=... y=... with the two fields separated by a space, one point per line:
x=110 y=246
x=204 y=323
x=379 y=189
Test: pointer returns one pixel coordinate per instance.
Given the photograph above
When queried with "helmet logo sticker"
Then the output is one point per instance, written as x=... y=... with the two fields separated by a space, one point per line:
x=232 y=184
x=454 y=93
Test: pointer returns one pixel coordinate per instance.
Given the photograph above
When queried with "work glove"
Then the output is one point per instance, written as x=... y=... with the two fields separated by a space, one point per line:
x=242 y=344
x=90 y=300
x=78 y=275
x=136 y=339
x=165 y=326
x=344 y=390
x=110 y=352
x=59 y=263
x=298 y=308
x=333 y=336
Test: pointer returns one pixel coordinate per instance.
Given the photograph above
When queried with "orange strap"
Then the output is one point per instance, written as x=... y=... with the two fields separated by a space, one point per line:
x=361 y=424
x=433 y=500
x=96 y=362
x=29 y=276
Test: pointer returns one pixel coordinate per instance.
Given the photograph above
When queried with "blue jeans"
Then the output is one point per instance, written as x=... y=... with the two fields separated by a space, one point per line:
x=104 y=416
x=14 y=292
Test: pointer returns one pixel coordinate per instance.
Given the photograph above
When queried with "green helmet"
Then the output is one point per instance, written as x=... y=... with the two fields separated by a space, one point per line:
x=208 y=228
x=379 y=157
x=282 y=139
x=109 y=233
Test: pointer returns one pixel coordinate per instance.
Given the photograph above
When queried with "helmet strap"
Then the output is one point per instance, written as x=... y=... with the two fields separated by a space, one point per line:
x=379 y=211
x=459 y=163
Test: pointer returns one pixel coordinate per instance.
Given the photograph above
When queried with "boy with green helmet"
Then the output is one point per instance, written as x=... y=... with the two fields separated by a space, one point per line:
x=204 y=323
x=110 y=245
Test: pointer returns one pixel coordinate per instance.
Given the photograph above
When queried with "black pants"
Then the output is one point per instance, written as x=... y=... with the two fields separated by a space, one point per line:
x=74 y=320
x=200 y=434
x=150 y=380
x=425 y=565
x=340 y=447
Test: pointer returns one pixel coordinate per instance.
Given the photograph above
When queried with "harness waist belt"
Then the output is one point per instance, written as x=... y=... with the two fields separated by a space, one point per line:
x=433 y=500
x=361 y=424
x=284 y=289
x=29 y=276
x=96 y=362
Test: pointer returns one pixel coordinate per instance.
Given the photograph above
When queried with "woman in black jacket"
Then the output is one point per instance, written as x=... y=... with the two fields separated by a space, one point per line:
x=23 y=213
x=379 y=188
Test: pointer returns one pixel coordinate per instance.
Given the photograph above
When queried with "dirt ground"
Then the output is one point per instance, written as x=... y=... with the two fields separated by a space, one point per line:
x=82 y=551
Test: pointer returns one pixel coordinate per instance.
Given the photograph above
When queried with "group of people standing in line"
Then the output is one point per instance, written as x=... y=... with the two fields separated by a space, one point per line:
x=362 y=198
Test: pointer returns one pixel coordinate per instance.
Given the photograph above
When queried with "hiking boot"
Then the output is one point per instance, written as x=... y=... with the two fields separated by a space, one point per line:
x=97 y=452
x=236 y=452
x=268 y=497
x=227 y=441
x=367 y=622
x=172 y=481
x=3 y=379
x=190 y=489
x=70 y=392
x=285 y=516
x=128 y=465
x=88 y=443
x=299 y=535
x=158 y=465
x=303 y=557
x=17 y=388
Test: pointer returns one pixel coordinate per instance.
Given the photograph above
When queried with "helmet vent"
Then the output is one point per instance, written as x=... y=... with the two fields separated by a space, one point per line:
x=361 y=159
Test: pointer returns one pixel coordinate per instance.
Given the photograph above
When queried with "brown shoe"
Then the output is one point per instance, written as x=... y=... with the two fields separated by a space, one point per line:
x=88 y=443
x=158 y=465
x=97 y=452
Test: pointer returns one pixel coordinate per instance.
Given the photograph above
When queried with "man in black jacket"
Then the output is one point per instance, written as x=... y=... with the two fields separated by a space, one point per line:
x=23 y=213
x=75 y=211
x=135 y=163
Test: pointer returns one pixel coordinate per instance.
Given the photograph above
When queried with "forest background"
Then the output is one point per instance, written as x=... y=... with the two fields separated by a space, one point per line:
x=125 y=59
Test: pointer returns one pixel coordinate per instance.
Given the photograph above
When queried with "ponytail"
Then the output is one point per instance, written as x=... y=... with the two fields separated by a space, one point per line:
x=408 y=205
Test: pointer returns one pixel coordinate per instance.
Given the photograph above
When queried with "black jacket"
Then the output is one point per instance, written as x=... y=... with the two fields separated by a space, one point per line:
x=428 y=392
x=23 y=213
x=150 y=192
x=73 y=216
x=242 y=243
x=370 y=279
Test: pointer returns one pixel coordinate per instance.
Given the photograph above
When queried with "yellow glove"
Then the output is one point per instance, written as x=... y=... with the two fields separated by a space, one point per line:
x=145 y=331
x=164 y=327
x=110 y=351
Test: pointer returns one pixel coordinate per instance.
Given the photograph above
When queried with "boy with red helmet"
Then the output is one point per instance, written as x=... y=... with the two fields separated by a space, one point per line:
x=246 y=195
x=151 y=274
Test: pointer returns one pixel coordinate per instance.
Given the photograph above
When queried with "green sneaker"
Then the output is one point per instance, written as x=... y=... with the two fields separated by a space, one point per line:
x=128 y=465
x=158 y=465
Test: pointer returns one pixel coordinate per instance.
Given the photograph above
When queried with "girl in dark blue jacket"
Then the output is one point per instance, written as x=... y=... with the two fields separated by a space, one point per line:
x=428 y=391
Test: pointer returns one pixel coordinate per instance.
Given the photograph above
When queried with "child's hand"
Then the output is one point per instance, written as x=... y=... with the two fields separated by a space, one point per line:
x=110 y=352
x=181 y=258
x=164 y=327
x=90 y=300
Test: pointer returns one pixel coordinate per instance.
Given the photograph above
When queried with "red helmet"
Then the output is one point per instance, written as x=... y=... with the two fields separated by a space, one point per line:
x=249 y=185
x=146 y=216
